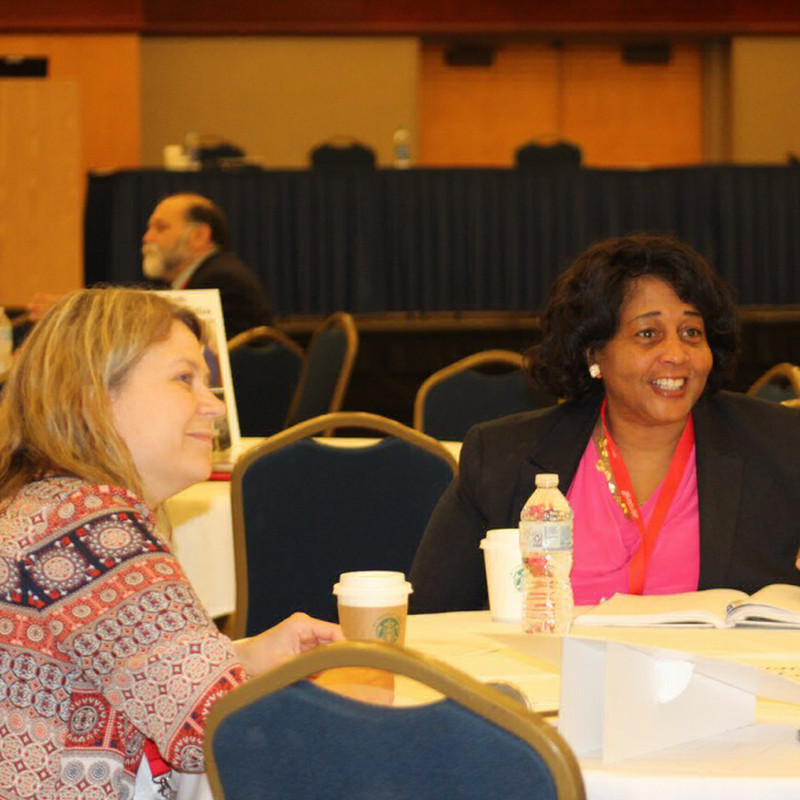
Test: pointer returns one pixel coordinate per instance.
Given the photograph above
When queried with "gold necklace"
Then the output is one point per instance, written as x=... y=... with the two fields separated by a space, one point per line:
x=604 y=467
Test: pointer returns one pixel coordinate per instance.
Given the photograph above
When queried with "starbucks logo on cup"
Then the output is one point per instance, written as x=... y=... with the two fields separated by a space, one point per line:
x=387 y=628
x=518 y=577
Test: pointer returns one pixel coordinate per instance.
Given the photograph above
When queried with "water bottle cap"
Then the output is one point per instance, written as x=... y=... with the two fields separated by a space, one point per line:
x=546 y=480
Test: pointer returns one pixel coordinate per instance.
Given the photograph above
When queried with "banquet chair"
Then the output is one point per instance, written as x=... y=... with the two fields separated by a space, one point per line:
x=342 y=153
x=265 y=367
x=541 y=153
x=282 y=736
x=779 y=383
x=455 y=398
x=304 y=511
x=330 y=356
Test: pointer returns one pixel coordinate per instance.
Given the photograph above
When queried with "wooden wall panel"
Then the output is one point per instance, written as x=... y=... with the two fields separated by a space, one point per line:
x=106 y=70
x=634 y=115
x=411 y=17
x=764 y=105
x=72 y=16
x=468 y=16
x=277 y=97
x=478 y=115
x=620 y=114
x=41 y=196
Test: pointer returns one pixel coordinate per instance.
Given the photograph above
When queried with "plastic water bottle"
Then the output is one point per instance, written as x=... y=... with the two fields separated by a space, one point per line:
x=191 y=150
x=6 y=342
x=545 y=538
x=401 y=142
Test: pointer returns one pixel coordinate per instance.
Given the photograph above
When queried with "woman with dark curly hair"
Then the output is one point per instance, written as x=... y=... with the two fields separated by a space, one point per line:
x=675 y=484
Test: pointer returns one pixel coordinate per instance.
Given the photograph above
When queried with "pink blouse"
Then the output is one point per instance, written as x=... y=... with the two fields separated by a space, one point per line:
x=606 y=540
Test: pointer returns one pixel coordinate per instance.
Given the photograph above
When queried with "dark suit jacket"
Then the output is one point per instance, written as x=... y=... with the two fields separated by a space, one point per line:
x=748 y=484
x=244 y=303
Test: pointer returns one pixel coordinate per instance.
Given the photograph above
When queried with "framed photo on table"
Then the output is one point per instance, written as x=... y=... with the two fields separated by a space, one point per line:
x=206 y=304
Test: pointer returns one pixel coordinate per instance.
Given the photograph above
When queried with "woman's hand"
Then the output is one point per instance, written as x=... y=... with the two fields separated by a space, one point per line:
x=289 y=638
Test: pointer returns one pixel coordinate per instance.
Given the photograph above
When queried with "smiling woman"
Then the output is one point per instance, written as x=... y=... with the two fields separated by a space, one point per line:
x=164 y=411
x=105 y=414
x=675 y=484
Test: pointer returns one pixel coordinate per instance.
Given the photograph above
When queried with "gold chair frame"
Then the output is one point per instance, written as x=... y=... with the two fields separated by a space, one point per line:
x=483 y=700
x=303 y=430
x=264 y=333
x=790 y=372
x=508 y=357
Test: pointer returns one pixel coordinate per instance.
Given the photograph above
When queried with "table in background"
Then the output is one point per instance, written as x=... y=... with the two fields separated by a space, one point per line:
x=202 y=532
x=456 y=239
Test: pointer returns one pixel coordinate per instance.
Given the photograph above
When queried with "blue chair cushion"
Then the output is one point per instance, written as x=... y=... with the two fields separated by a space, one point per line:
x=303 y=741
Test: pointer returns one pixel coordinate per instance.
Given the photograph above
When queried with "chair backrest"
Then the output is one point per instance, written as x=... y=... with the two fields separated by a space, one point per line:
x=330 y=356
x=263 y=334
x=541 y=153
x=455 y=398
x=265 y=366
x=779 y=383
x=275 y=737
x=342 y=154
x=304 y=511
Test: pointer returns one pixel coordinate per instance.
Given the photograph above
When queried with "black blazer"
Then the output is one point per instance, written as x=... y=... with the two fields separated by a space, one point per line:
x=244 y=303
x=748 y=485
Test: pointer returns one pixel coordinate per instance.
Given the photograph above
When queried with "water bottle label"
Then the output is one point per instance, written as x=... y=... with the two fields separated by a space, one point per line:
x=545 y=535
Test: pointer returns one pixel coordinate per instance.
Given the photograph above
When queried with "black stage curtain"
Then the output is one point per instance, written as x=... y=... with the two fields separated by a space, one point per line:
x=428 y=240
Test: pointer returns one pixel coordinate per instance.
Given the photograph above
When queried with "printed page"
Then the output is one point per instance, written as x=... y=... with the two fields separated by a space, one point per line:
x=777 y=605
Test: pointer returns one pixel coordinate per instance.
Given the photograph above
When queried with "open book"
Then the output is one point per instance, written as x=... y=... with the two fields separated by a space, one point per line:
x=775 y=606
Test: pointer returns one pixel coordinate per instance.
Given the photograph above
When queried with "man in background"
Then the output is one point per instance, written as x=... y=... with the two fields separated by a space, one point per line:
x=186 y=246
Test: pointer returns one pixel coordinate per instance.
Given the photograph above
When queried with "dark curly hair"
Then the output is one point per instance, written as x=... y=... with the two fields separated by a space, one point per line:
x=583 y=309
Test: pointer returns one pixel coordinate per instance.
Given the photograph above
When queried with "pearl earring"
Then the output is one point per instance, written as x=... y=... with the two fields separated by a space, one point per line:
x=594 y=370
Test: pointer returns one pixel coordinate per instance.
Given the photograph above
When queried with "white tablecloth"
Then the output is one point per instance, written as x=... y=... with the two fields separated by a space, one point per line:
x=760 y=762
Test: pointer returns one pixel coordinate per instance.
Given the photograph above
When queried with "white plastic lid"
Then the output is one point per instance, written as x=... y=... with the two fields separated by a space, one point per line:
x=546 y=480
x=500 y=537
x=372 y=587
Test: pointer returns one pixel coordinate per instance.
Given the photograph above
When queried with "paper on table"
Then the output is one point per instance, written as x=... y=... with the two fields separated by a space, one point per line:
x=625 y=700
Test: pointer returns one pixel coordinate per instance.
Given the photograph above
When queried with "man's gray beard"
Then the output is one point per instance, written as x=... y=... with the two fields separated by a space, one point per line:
x=153 y=264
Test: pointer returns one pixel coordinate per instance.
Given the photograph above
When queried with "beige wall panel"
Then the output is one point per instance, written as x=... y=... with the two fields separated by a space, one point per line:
x=620 y=114
x=40 y=188
x=765 y=101
x=106 y=70
x=277 y=97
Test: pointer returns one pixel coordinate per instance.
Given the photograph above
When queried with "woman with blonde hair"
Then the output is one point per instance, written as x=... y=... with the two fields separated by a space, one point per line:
x=105 y=650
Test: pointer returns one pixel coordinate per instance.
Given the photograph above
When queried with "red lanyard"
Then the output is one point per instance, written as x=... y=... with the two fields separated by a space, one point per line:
x=649 y=533
x=158 y=766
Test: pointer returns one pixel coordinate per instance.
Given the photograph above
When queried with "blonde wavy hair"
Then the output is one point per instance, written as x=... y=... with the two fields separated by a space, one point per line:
x=55 y=409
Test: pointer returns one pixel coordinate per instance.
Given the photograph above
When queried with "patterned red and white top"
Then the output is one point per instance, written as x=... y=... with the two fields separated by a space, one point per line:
x=103 y=642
